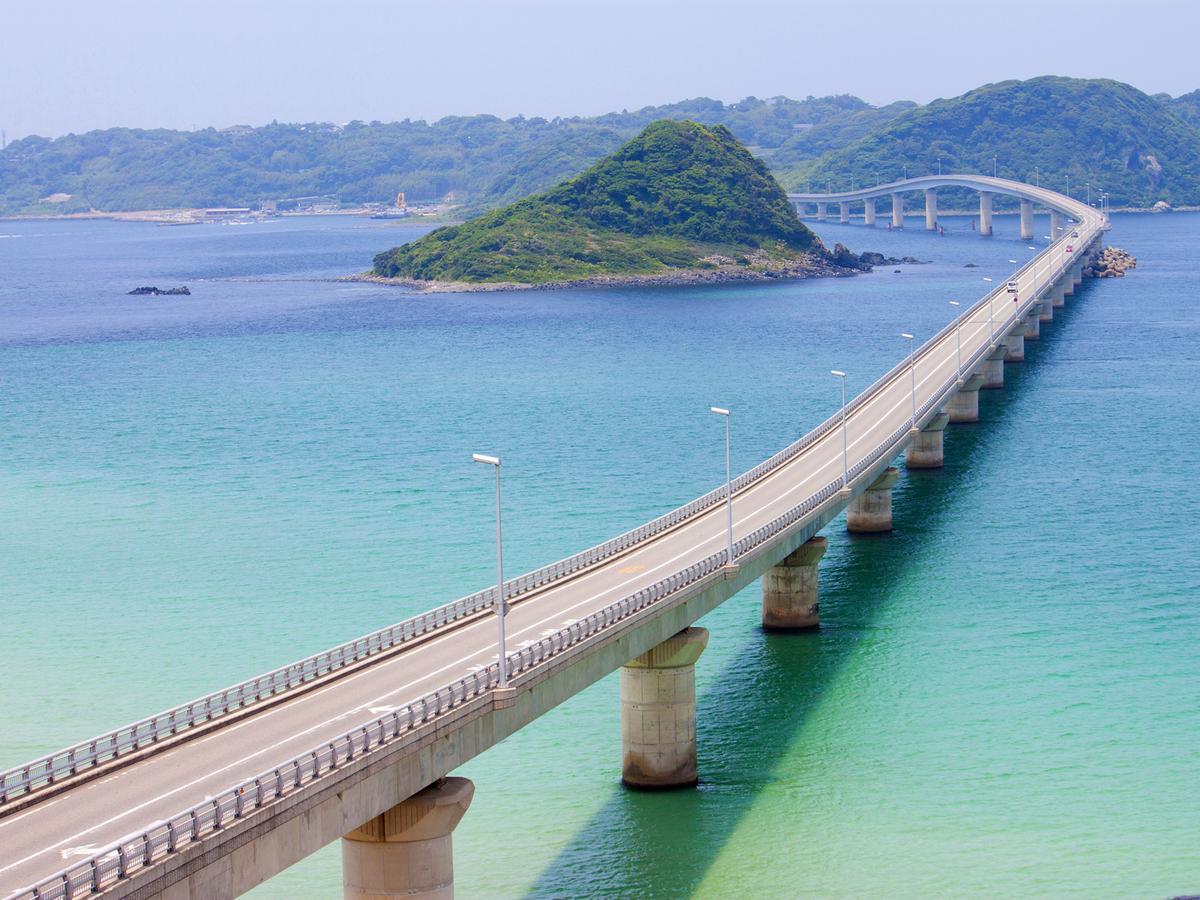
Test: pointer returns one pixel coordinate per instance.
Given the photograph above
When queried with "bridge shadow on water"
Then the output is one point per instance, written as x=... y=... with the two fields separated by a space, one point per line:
x=662 y=844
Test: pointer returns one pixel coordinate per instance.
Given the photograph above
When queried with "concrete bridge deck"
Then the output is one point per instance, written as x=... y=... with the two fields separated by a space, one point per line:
x=222 y=806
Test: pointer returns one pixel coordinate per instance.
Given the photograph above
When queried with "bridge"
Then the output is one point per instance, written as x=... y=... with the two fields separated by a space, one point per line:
x=359 y=743
x=1060 y=206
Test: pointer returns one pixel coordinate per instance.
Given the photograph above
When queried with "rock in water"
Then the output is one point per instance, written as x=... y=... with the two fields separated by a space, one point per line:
x=181 y=291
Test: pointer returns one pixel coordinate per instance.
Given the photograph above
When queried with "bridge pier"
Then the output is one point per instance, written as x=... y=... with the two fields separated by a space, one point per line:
x=924 y=451
x=985 y=212
x=1046 y=309
x=963 y=405
x=1056 y=224
x=820 y=212
x=871 y=511
x=1033 y=325
x=869 y=211
x=1026 y=220
x=658 y=713
x=931 y=209
x=789 y=590
x=897 y=211
x=407 y=851
x=843 y=210
x=1014 y=345
x=1058 y=296
x=992 y=370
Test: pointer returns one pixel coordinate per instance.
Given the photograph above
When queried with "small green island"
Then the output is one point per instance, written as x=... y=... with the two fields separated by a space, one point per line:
x=680 y=203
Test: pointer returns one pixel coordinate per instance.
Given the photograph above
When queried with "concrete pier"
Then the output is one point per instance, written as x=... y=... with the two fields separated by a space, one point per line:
x=789 y=590
x=924 y=451
x=844 y=211
x=1026 y=220
x=1033 y=326
x=1056 y=225
x=1058 y=297
x=407 y=851
x=963 y=405
x=658 y=713
x=985 y=212
x=1014 y=345
x=897 y=211
x=820 y=212
x=869 y=211
x=931 y=209
x=871 y=511
x=992 y=370
x=1046 y=309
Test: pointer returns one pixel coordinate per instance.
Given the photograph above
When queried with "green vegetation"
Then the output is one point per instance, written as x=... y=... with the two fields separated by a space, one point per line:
x=1101 y=132
x=1139 y=148
x=677 y=196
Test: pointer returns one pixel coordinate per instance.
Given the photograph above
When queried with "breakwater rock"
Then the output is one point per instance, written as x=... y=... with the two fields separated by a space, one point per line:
x=1111 y=262
x=161 y=292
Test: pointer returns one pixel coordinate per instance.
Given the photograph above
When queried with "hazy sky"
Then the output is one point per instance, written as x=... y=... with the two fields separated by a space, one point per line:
x=83 y=64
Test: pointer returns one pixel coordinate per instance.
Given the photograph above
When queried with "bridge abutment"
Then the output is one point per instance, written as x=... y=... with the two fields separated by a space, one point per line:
x=407 y=851
x=871 y=511
x=924 y=451
x=985 y=213
x=790 y=590
x=869 y=211
x=930 y=209
x=897 y=211
x=658 y=713
x=963 y=405
x=1026 y=220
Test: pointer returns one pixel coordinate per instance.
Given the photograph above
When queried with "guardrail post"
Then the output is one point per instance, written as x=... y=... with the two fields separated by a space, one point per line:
x=408 y=850
x=658 y=713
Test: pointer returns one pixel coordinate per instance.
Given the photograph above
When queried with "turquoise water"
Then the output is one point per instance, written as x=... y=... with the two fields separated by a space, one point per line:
x=1001 y=702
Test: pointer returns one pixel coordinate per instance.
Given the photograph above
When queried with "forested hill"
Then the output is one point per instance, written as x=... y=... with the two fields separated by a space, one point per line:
x=1139 y=148
x=679 y=196
x=1065 y=132
x=484 y=160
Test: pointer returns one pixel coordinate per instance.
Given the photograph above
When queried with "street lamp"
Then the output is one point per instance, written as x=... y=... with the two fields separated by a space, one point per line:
x=906 y=173
x=1068 y=185
x=501 y=608
x=939 y=165
x=912 y=368
x=1037 y=176
x=991 y=329
x=994 y=167
x=1088 y=185
x=958 y=336
x=845 y=443
x=728 y=483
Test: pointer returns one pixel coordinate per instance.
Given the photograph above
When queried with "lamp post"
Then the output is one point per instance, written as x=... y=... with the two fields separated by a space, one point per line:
x=845 y=443
x=501 y=608
x=1068 y=185
x=995 y=168
x=958 y=336
x=1037 y=176
x=939 y=165
x=912 y=368
x=1088 y=185
x=728 y=484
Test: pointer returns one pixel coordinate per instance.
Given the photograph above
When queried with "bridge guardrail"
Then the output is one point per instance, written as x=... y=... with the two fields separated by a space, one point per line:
x=163 y=838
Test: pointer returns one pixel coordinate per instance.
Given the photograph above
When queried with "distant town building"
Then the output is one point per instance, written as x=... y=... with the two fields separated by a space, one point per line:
x=226 y=212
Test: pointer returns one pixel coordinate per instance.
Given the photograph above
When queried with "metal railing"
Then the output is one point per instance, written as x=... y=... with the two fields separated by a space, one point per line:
x=138 y=851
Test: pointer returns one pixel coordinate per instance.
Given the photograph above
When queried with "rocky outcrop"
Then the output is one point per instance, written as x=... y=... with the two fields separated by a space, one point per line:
x=1111 y=262
x=161 y=292
x=871 y=258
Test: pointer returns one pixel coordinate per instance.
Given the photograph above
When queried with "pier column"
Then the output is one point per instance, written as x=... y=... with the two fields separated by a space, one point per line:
x=407 y=851
x=820 y=212
x=869 y=211
x=789 y=590
x=1046 y=309
x=897 y=211
x=1033 y=325
x=1056 y=225
x=658 y=713
x=1014 y=345
x=930 y=209
x=992 y=370
x=871 y=511
x=985 y=212
x=1076 y=277
x=1026 y=220
x=924 y=451
x=843 y=210
x=963 y=405
x=1058 y=297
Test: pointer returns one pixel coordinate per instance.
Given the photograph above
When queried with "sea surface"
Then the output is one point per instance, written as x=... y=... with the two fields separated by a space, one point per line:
x=1003 y=698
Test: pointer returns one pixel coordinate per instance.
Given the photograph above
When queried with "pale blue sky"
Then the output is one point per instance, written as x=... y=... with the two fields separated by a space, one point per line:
x=73 y=65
